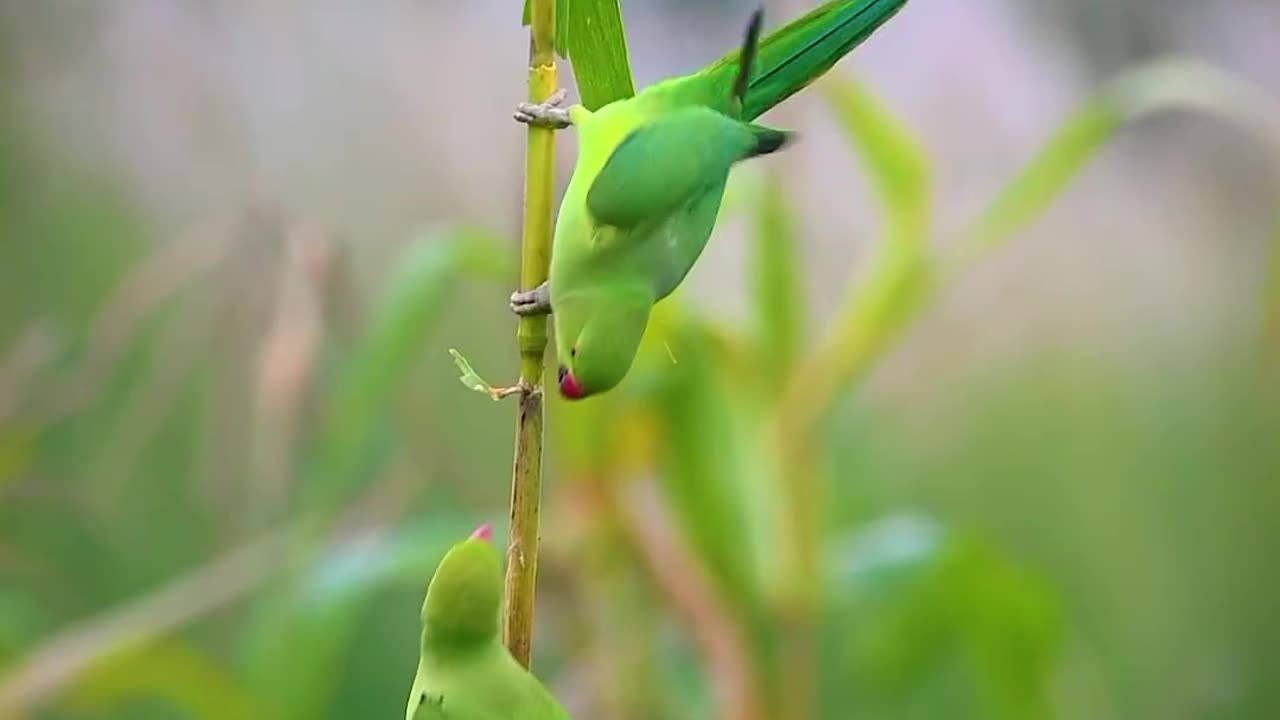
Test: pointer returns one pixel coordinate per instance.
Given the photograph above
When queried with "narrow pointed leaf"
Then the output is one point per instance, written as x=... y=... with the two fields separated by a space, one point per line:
x=879 y=305
x=701 y=459
x=777 y=288
x=1161 y=86
x=894 y=161
x=563 y=10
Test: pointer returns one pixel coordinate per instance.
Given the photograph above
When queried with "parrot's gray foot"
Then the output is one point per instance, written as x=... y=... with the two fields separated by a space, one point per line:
x=545 y=114
x=532 y=302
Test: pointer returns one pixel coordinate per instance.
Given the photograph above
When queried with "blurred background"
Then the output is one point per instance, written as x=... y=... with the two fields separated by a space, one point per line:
x=238 y=237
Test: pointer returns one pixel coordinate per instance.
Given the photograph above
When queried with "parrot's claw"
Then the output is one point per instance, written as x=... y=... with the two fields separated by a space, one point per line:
x=532 y=302
x=545 y=114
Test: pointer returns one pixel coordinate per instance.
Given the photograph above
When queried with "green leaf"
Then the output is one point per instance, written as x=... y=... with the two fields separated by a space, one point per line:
x=469 y=376
x=893 y=159
x=704 y=450
x=473 y=380
x=1046 y=175
x=597 y=46
x=562 y=27
x=777 y=287
x=878 y=306
x=590 y=34
x=1161 y=86
x=186 y=680
x=23 y=618
x=927 y=623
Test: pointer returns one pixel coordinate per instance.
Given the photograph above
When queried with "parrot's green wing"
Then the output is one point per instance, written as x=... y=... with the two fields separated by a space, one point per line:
x=663 y=164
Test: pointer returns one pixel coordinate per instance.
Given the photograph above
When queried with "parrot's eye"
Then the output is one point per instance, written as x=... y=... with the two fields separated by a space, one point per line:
x=573 y=351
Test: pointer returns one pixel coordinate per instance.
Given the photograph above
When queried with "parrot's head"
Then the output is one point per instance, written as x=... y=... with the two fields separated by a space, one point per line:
x=597 y=335
x=465 y=593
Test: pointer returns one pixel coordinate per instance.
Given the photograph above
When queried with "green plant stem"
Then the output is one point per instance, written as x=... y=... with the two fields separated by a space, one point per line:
x=531 y=335
x=798 y=603
x=1271 y=296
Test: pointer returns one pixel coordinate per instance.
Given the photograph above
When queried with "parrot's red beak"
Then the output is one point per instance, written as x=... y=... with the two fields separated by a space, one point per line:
x=569 y=386
x=484 y=532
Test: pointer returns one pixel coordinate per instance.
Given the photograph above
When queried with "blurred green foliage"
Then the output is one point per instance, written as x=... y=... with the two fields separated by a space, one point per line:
x=1069 y=537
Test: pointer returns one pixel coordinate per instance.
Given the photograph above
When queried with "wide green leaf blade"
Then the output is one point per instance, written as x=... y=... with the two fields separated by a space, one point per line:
x=597 y=47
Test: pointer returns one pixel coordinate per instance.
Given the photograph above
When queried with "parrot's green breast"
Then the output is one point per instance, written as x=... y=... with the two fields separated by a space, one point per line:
x=488 y=685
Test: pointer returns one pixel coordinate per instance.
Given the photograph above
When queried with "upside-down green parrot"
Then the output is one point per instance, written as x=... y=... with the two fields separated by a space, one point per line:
x=464 y=671
x=649 y=178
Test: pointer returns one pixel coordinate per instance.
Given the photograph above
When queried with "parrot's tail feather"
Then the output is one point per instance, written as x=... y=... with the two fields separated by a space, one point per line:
x=769 y=140
x=793 y=56
x=748 y=55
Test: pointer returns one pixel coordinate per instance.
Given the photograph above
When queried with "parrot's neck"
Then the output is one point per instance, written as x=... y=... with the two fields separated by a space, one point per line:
x=600 y=133
x=436 y=648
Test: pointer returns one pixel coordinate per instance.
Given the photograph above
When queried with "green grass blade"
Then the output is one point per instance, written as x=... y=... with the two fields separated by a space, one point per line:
x=879 y=305
x=1046 y=175
x=777 y=286
x=1159 y=87
x=563 y=13
x=167 y=672
x=894 y=161
x=703 y=448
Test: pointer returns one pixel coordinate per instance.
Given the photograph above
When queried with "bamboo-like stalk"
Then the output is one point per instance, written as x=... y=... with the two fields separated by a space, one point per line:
x=531 y=335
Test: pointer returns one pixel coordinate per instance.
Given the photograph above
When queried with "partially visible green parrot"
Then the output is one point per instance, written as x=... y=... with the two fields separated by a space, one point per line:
x=464 y=671
x=650 y=175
